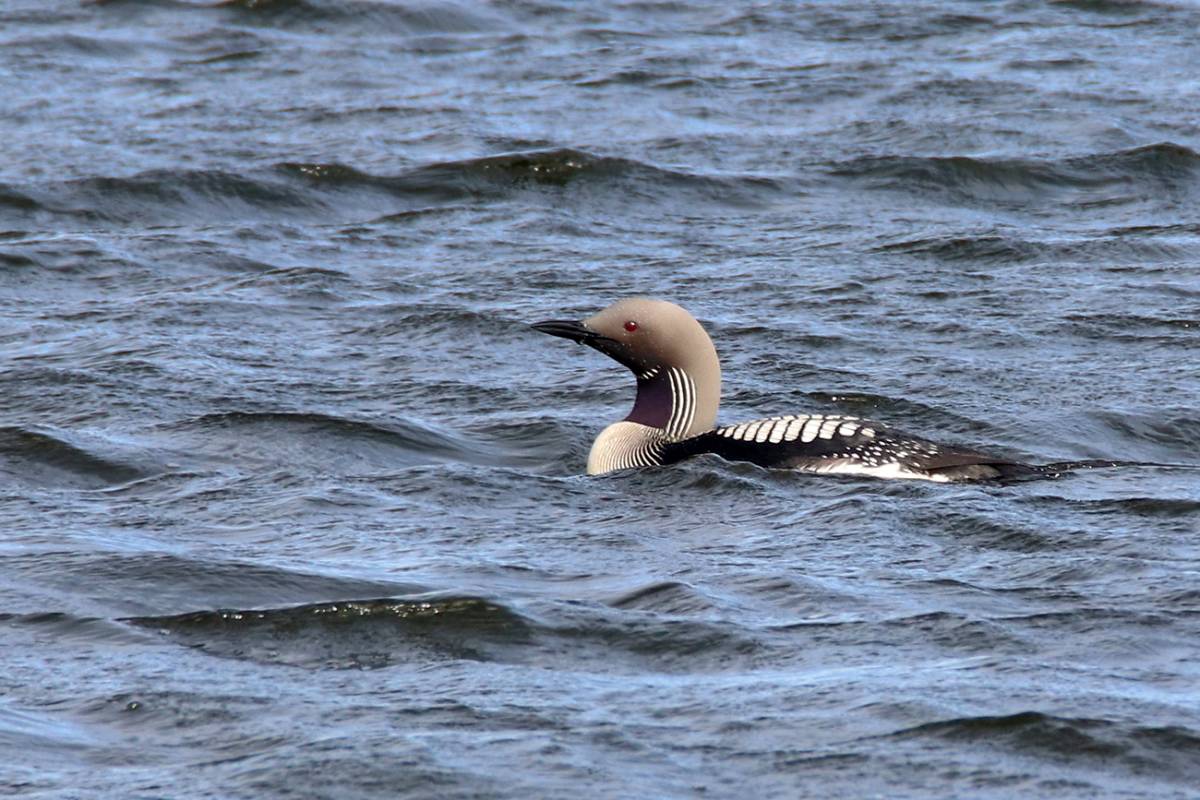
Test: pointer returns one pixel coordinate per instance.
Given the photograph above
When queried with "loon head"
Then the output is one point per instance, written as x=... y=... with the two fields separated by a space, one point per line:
x=678 y=375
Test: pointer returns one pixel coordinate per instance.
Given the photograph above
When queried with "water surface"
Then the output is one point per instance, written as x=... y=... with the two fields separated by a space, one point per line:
x=292 y=497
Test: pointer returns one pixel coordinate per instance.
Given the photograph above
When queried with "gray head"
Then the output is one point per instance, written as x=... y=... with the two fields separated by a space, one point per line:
x=679 y=377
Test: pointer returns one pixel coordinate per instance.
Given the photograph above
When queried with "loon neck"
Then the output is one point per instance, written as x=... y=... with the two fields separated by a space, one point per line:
x=668 y=400
x=670 y=407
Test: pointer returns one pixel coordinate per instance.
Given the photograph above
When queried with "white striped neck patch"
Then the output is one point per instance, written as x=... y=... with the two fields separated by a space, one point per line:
x=666 y=400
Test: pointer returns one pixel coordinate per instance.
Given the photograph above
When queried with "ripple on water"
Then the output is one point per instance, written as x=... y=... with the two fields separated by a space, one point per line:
x=1107 y=744
x=64 y=460
x=1120 y=176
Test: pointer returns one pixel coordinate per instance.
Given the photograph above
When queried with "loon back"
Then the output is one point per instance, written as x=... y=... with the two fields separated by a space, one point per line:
x=679 y=390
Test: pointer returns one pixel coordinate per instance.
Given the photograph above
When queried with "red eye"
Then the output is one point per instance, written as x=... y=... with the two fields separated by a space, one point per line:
x=631 y=326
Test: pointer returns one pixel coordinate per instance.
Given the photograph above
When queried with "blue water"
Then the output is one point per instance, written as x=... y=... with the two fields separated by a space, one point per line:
x=292 y=500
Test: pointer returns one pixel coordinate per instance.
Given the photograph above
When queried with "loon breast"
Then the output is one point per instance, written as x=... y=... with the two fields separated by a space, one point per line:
x=625 y=445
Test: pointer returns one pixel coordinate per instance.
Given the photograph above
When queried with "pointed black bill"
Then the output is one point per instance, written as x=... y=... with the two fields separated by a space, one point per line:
x=567 y=329
x=579 y=332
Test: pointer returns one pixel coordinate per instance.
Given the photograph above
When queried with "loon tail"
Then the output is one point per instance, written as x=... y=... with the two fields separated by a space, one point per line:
x=1058 y=468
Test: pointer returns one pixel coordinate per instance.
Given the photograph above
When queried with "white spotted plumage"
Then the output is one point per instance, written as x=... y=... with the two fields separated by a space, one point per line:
x=884 y=456
x=793 y=427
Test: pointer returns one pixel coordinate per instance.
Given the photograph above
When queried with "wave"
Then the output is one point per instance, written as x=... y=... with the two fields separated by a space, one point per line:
x=321 y=439
x=332 y=191
x=489 y=176
x=157 y=197
x=974 y=249
x=39 y=458
x=1098 y=179
x=1178 y=430
x=435 y=627
x=17 y=200
x=179 y=583
x=78 y=627
x=666 y=597
x=263 y=441
x=349 y=634
x=45 y=741
x=988 y=248
x=1116 y=7
x=374 y=15
x=1015 y=534
x=1169 y=751
x=820 y=22
x=382 y=17
x=8 y=259
x=1133 y=327
x=1182 y=512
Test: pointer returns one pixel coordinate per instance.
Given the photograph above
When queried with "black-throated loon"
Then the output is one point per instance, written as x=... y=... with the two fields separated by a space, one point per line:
x=679 y=389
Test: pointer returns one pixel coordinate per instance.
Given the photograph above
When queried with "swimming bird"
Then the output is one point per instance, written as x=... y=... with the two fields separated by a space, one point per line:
x=679 y=389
